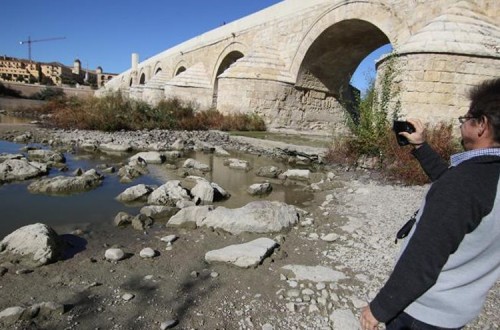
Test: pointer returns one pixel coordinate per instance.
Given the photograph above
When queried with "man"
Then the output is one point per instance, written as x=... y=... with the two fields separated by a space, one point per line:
x=451 y=257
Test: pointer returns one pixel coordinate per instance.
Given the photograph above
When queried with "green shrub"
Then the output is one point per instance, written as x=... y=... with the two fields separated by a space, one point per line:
x=48 y=93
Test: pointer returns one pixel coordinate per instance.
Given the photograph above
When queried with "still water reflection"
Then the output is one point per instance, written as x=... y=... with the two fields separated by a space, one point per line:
x=98 y=207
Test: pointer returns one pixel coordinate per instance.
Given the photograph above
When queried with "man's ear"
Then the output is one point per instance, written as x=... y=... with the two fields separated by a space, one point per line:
x=483 y=126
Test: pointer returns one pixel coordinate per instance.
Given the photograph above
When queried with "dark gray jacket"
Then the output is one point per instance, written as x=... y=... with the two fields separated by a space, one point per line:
x=452 y=256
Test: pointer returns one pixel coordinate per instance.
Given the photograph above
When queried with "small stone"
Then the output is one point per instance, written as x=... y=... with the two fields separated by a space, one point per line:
x=168 y=324
x=169 y=238
x=306 y=222
x=291 y=307
x=147 y=253
x=267 y=326
x=313 y=236
x=128 y=296
x=308 y=292
x=313 y=308
x=11 y=314
x=214 y=274
x=358 y=303
x=330 y=237
x=320 y=286
x=194 y=274
x=114 y=254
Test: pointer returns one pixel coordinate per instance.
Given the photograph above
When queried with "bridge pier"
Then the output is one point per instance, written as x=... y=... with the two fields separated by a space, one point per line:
x=434 y=87
x=282 y=105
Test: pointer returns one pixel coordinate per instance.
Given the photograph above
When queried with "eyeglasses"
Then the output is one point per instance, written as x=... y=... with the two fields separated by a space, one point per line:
x=463 y=119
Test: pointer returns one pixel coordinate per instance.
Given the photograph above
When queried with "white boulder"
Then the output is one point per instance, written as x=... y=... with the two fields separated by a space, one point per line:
x=134 y=193
x=256 y=217
x=151 y=157
x=168 y=194
x=38 y=243
x=244 y=255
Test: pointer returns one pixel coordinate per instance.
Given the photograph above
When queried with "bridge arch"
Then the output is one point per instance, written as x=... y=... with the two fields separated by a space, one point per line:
x=179 y=68
x=233 y=48
x=142 y=79
x=157 y=68
x=340 y=39
x=227 y=57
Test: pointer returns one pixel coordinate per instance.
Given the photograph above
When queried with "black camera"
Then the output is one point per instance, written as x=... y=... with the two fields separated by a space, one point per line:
x=402 y=126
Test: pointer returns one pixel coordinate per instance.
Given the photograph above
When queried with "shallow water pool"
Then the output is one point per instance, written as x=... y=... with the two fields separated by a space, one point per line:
x=98 y=207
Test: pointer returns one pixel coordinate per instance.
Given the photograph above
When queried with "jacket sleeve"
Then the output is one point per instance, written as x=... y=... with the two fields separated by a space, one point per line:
x=449 y=214
x=432 y=163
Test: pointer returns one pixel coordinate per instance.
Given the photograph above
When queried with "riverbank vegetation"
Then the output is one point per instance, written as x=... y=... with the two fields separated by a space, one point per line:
x=115 y=112
x=371 y=142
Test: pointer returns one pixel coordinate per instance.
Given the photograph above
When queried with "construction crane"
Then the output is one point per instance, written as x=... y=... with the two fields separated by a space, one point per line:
x=29 y=42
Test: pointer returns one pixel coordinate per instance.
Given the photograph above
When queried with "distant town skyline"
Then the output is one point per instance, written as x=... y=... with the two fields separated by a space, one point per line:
x=107 y=34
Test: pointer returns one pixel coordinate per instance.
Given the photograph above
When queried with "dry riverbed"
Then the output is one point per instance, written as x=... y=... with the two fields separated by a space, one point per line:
x=325 y=268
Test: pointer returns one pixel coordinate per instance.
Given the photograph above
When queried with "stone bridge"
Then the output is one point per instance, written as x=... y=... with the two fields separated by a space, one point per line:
x=291 y=63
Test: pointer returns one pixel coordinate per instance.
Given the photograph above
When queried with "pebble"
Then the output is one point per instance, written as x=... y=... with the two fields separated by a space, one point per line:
x=147 y=253
x=332 y=237
x=169 y=238
x=114 y=254
x=128 y=296
x=168 y=324
x=320 y=286
x=293 y=293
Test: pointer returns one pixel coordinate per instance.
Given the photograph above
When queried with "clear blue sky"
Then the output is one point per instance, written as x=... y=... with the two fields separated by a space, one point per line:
x=105 y=33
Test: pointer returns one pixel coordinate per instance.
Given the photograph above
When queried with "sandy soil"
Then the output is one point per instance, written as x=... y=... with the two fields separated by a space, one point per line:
x=178 y=285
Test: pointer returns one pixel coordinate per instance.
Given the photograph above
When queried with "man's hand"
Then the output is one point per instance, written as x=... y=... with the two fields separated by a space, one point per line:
x=418 y=137
x=367 y=320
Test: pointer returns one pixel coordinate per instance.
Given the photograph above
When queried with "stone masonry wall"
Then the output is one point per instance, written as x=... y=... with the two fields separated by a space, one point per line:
x=282 y=106
x=434 y=88
x=201 y=97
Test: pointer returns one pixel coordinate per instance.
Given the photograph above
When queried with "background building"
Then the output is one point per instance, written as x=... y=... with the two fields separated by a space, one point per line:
x=23 y=71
